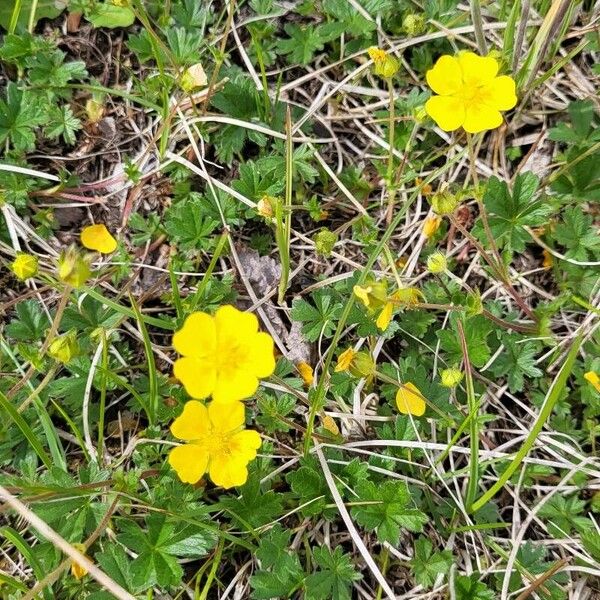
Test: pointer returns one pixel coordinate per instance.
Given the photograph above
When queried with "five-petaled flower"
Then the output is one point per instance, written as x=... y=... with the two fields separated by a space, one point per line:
x=98 y=237
x=471 y=95
x=224 y=355
x=217 y=443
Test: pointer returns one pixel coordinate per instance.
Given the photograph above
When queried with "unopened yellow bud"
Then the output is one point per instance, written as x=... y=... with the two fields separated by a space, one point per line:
x=451 y=377
x=306 y=372
x=437 y=263
x=73 y=268
x=362 y=365
x=24 y=266
x=64 y=348
x=94 y=110
x=264 y=207
x=414 y=24
x=431 y=225
x=384 y=64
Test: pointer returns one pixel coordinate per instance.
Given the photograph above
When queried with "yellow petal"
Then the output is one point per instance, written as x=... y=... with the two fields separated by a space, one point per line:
x=234 y=384
x=197 y=375
x=385 y=316
x=262 y=355
x=409 y=400
x=306 y=372
x=480 y=117
x=477 y=70
x=445 y=77
x=24 y=266
x=228 y=471
x=344 y=360
x=362 y=293
x=244 y=444
x=226 y=417
x=189 y=461
x=330 y=425
x=192 y=423
x=97 y=237
x=594 y=379
x=501 y=94
x=233 y=324
x=197 y=337
x=447 y=111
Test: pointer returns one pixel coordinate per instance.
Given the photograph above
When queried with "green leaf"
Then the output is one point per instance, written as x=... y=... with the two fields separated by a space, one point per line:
x=30 y=324
x=255 y=182
x=427 y=565
x=302 y=43
x=515 y=362
x=470 y=588
x=45 y=9
x=318 y=319
x=110 y=15
x=388 y=508
x=333 y=581
x=19 y=117
x=509 y=212
x=477 y=330
x=186 y=224
x=577 y=234
x=308 y=483
x=254 y=507
x=62 y=122
x=564 y=515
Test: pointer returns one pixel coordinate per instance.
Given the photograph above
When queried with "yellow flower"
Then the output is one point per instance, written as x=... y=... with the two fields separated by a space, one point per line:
x=410 y=401
x=73 y=269
x=224 y=355
x=594 y=379
x=409 y=296
x=471 y=95
x=97 y=237
x=385 y=316
x=431 y=225
x=24 y=266
x=384 y=64
x=548 y=259
x=217 y=443
x=306 y=373
x=345 y=360
x=373 y=295
x=78 y=571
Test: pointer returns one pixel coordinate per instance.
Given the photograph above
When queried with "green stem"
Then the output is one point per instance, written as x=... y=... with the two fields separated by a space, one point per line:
x=552 y=397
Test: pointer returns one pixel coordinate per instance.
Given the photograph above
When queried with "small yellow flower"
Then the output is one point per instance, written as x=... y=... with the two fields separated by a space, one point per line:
x=471 y=94
x=306 y=372
x=409 y=400
x=64 y=348
x=431 y=225
x=217 y=443
x=345 y=360
x=385 y=316
x=24 y=266
x=224 y=355
x=373 y=295
x=73 y=269
x=97 y=237
x=78 y=571
x=594 y=379
x=384 y=64
x=548 y=259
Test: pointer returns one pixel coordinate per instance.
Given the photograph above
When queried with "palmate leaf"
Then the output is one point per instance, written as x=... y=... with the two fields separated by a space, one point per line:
x=318 y=318
x=19 y=117
x=426 y=565
x=333 y=580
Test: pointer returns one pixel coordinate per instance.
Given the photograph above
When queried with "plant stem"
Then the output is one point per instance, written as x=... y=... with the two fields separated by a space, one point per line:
x=391 y=184
x=478 y=26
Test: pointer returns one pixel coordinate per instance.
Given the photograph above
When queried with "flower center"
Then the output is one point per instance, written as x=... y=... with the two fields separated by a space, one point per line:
x=472 y=94
x=215 y=443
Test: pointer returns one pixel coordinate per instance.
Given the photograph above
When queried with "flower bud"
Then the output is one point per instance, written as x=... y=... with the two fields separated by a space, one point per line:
x=325 y=240
x=193 y=77
x=451 y=377
x=384 y=64
x=24 y=266
x=431 y=225
x=264 y=206
x=64 y=348
x=437 y=263
x=414 y=24
x=362 y=365
x=306 y=372
x=444 y=202
x=409 y=296
x=73 y=268
x=474 y=303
